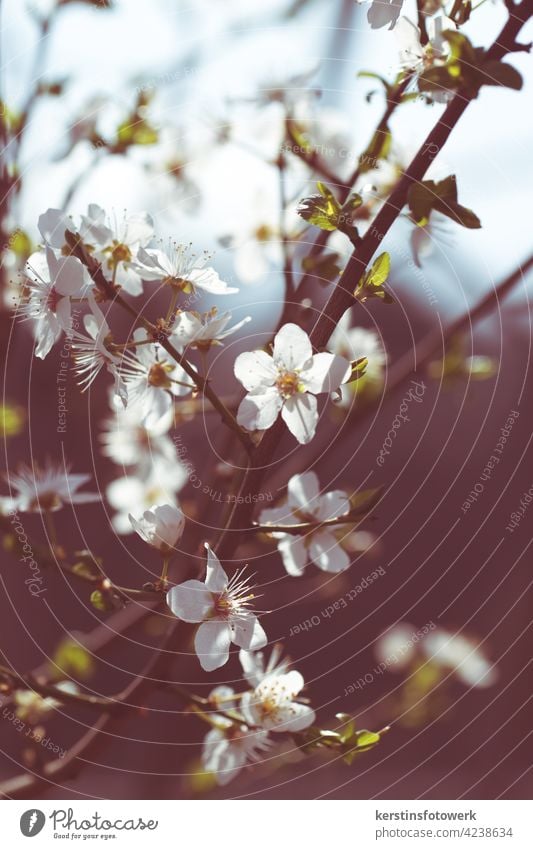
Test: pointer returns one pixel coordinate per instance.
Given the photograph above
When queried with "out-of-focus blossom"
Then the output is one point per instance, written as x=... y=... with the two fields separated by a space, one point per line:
x=352 y=343
x=305 y=503
x=231 y=745
x=137 y=492
x=462 y=656
x=44 y=489
x=32 y=707
x=129 y=441
x=287 y=383
x=222 y=606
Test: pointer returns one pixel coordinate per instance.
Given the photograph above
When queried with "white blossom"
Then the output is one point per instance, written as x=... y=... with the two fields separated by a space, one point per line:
x=222 y=606
x=254 y=668
x=138 y=491
x=287 y=383
x=273 y=704
x=52 y=282
x=194 y=330
x=182 y=269
x=305 y=503
x=231 y=745
x=161 y=526
x=48 y=488
x=354 y=343
x=462 y=656
x=32 y=707
x=415 y=56
x=92 y=353
x=129 y=441
x=116 y=244
x=152 y=378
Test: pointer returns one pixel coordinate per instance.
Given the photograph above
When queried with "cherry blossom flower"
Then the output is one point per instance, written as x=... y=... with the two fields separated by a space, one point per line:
x=129 y=441
x=287 y=383
x=272 y=704
x=152 y=378
x=461 y=655
x=305 y=503
x=45 y=489
x=415 y=56
x=134 y=493
x=354 y=343
x=117 y=244
x=161 y=526
x=182 y=269
x=52 y=283
x=222 y=606
x=91 y=353
x=231 y=745
x=193 y=330
x=254 y=668
x=113 y=243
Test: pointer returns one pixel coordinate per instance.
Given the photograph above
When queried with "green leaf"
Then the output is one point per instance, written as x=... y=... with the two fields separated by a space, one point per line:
x=358 y=369
x=367 y=739
x=500 y=73
x=380 y=270
x=322 y=210
x=363 y=501
x=72 y=659
x=100 y=601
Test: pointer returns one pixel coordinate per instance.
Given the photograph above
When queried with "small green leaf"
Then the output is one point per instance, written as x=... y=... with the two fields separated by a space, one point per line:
x=380 y=270
x=100 y=602
x=322 y=210
x=366 y=739
x=73 y=659
x=377 y=150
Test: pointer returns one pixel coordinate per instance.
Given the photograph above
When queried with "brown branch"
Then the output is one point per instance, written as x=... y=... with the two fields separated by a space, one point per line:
x=342 y=296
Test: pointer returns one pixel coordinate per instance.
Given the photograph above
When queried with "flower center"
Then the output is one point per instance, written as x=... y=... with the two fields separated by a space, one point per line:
x=289 y=384
x=263 y=233
x=179 y=283
x=158 y=375
x=120 y=253
x=46 y=501
x=52 y=299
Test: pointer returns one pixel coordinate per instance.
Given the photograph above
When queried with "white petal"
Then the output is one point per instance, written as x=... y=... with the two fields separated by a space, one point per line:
x=216 y=579
x=331 y=505
x=255 y=369
x=326 y=553
x=208 y=280
x=212 y=643
x=325 y=373
x=292 y=347
x=260 y=409
x=248 y=633
x=303 y=490
x=294 y=554
x=301 y=416
x=190 y=601
x=291 y=717
x=278 y=516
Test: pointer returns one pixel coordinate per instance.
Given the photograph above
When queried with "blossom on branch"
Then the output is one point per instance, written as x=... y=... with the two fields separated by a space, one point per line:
x=52 y=282
x=194 y=330
x=273 y=705
x=305 y=503
x=161 y=526
x=287 y=383
x=222 y=606
x=181 y=269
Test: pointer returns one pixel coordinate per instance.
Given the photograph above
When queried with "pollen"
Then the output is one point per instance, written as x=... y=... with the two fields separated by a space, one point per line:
x=289 y=384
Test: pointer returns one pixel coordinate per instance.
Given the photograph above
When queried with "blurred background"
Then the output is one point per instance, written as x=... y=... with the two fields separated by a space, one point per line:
x=177 y=109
